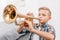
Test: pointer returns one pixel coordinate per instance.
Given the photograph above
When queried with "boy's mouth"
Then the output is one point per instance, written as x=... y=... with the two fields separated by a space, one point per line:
x=41 y=19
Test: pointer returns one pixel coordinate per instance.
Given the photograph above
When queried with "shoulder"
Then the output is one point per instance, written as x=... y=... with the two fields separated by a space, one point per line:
x=50 y=26
x=51 y=30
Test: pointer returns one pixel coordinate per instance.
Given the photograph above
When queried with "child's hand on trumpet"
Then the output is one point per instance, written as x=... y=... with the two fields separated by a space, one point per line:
x=26 y=25
x=29 y=26
x=21 y=27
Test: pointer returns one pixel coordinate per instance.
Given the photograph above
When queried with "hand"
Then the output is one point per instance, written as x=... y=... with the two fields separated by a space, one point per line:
x=30 y=26
x=21 y=26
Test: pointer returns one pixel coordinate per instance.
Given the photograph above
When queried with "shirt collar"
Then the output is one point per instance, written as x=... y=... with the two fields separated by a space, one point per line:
x=44 y=25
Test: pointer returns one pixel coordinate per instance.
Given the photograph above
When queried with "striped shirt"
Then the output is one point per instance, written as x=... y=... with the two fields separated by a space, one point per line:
x=44 y=27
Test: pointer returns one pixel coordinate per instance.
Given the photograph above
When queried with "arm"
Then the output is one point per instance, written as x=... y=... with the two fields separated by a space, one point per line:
x=43 y=34
x=46 y=35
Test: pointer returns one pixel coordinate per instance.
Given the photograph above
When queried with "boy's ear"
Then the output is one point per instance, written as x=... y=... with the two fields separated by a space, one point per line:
x=49 y=17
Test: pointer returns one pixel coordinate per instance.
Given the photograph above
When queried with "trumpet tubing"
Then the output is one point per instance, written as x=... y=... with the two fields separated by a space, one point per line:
x=25 y=16
x=10 y=15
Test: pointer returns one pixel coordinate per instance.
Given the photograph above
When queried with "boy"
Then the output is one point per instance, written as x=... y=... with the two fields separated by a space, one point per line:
x=41 y=32
x=44 y=31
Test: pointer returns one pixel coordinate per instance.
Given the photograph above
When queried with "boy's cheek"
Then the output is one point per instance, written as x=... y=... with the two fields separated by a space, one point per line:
x=43 y=20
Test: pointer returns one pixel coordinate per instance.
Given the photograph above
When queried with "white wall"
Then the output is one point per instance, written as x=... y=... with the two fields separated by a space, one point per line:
x=33 y=5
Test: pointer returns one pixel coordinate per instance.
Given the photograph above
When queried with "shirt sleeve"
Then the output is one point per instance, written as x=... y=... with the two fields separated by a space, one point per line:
x=52 y=31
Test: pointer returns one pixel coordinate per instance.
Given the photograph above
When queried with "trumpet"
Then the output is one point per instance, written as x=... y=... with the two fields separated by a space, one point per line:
x=10 y=15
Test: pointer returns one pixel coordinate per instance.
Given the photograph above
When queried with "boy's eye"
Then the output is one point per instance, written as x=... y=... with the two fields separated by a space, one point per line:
x=43 y=14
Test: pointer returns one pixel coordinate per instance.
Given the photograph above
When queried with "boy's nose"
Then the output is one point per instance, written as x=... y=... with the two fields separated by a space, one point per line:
x=40 y=16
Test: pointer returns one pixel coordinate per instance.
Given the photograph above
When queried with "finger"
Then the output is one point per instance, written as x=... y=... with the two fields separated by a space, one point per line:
x=27 y=21
x=26 y=28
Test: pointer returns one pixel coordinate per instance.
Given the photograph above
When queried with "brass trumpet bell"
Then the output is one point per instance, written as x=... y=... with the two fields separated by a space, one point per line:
x=9 y=13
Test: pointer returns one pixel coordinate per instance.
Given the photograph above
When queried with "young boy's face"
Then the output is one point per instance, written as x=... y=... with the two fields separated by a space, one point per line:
x=44 y=16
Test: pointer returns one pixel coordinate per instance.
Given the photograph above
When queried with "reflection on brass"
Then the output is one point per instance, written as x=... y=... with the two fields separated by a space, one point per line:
x=10 y=15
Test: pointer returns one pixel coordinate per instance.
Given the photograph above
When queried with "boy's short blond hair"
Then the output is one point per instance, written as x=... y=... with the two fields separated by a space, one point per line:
x=45 y=8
